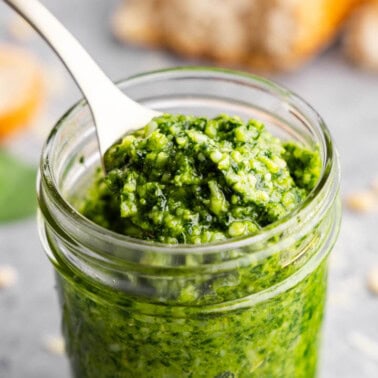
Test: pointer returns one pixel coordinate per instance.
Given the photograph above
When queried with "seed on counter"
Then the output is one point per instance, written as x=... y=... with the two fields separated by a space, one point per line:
x=362 y=202
x=55 y=345
x=8 y=276
x=372 y=280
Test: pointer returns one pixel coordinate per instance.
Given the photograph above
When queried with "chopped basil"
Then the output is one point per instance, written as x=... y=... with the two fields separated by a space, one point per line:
x=184 y=179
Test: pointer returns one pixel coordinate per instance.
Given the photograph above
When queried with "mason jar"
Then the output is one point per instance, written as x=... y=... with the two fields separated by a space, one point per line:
x=245 y=307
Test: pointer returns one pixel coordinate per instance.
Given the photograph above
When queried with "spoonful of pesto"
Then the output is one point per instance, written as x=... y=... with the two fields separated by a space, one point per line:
x=113 y=112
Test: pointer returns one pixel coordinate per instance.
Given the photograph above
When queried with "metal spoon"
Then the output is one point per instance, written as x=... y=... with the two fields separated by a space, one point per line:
x=113 y=112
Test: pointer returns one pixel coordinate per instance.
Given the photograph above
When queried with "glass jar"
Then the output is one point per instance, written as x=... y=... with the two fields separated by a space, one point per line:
x=247 y=307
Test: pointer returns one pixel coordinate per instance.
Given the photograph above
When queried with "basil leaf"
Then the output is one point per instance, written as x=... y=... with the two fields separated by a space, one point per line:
x=17 y=188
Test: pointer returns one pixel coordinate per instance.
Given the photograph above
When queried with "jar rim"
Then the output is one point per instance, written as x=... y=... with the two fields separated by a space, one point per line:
x=330 y=164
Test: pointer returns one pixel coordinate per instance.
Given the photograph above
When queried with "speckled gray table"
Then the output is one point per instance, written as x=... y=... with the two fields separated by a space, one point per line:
x=347 y=99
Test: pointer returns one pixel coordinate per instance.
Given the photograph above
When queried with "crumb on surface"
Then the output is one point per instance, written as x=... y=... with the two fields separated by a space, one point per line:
x=8 y=276
x=362 y=201
x=372 y=280
x=54 y=345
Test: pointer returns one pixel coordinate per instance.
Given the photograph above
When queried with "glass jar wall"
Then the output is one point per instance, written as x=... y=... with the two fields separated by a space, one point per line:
x=247 y=307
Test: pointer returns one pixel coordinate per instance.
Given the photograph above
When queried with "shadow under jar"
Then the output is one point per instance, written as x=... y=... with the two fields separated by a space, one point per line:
x=247 y=307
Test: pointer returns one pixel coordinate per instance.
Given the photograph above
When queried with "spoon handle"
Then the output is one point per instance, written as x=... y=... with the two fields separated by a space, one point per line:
x=87 y=74
x=111 y=109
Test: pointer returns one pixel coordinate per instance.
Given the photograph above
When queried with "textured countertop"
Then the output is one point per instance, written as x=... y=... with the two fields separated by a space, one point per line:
x=348 y=101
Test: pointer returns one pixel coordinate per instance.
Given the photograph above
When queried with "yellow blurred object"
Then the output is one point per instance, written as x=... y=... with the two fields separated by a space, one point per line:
x=21 y=88
x=361 y=36
x=263 y=34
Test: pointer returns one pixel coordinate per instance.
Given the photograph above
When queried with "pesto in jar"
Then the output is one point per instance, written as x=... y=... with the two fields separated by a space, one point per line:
x=194 y=180
x=185 y=179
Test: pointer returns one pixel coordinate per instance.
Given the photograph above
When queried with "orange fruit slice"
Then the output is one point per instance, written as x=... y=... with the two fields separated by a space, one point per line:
x=21 y=87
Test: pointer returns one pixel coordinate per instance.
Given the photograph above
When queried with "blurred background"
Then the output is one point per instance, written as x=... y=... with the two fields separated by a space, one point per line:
x=326 y=51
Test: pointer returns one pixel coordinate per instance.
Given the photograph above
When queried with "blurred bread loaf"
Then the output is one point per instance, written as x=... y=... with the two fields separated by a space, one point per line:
x=361 y=36
x=263 y=34
x=21 y=85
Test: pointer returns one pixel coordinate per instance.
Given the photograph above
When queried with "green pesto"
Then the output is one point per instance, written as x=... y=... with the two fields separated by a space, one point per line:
x=194 y=180
x=277 y=338
x=184 y=179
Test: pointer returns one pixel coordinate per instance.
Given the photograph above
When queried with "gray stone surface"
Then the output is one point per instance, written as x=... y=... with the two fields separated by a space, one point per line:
x=345 y=97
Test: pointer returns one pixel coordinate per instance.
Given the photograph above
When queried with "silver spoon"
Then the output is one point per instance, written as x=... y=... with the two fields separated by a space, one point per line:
x=113 y=112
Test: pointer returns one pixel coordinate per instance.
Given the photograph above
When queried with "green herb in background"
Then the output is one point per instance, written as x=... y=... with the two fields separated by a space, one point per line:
x=17 y=188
